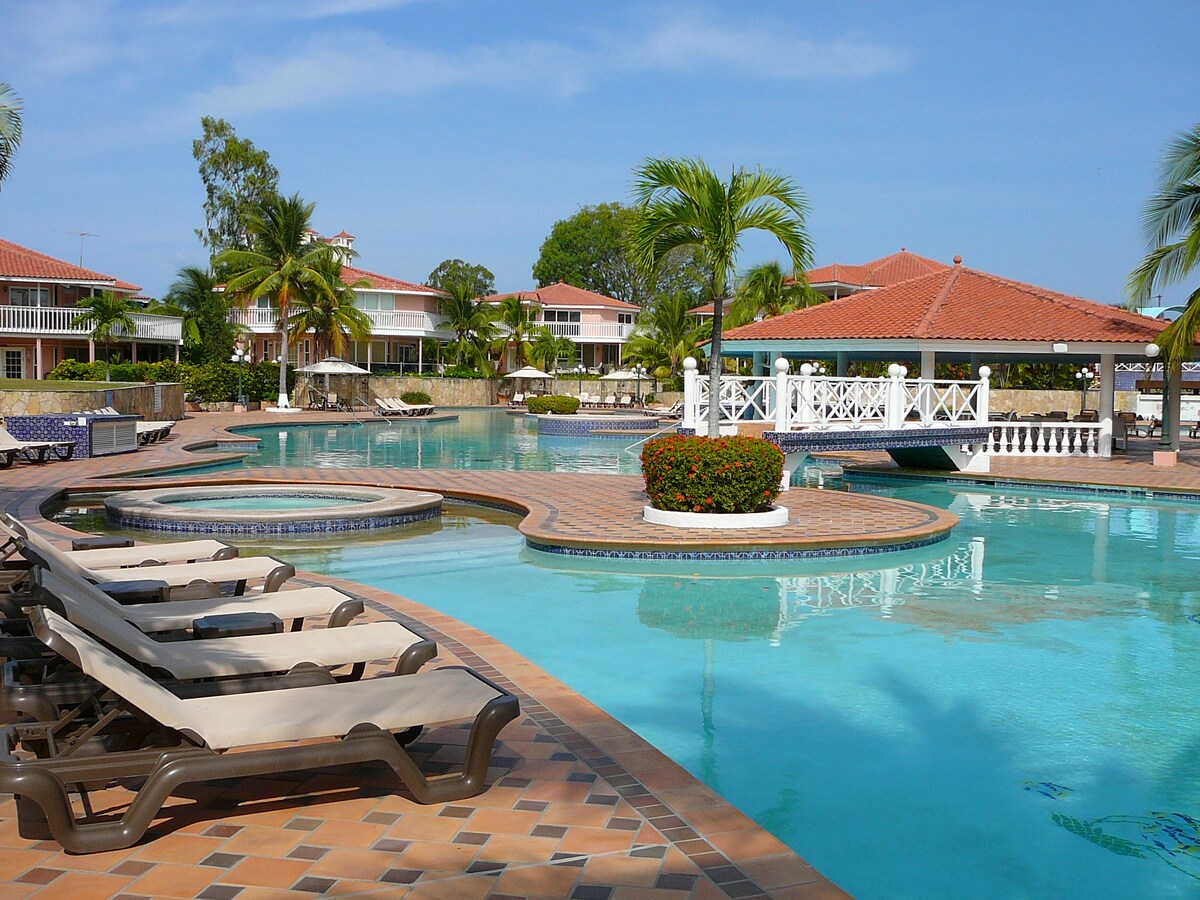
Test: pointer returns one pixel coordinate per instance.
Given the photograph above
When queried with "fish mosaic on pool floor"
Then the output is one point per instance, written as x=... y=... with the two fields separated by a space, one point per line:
x=1172 y=837
x=1048 y=789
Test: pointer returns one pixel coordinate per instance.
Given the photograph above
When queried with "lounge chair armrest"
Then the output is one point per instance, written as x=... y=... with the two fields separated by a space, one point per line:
x=414 y=657
x=101 y=542
x=276 y=578
x=146 y=590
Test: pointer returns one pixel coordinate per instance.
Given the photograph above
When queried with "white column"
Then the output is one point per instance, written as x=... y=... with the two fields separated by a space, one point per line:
x=783 y=400
x=927 y=363
x=1108 y=368
x=370 y=349
x=91 y=350
x=420 y=356
x=690 y=399
x=39 y=368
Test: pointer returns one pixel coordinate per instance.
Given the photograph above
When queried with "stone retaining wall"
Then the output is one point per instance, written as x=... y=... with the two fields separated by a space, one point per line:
x=129 y=400
x=1028 y=402
x=442 y=391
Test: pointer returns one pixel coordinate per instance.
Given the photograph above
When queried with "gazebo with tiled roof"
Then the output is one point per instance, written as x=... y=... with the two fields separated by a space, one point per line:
x=960 y=315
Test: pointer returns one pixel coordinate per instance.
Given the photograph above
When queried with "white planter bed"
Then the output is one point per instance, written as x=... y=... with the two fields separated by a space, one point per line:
x=772 y=518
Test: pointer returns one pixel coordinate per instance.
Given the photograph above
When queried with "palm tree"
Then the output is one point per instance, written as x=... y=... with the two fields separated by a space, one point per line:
x=473 y=324
x=1171 y=221
x=330 y=315
x=520 y=320
x=283 y=261
x=766 y=290
x=10 y=128
x=682 y=203
x=106 y=314
x=194 y=298
x=666 y=334
x=547 y=348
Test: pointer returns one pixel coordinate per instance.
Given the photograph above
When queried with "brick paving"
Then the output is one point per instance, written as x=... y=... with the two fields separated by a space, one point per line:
x=579 y=806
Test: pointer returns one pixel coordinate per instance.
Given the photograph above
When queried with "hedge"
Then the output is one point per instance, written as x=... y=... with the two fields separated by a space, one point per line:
x=416 y=398
x=212 y=382
x=557 y=404
x=722 y=475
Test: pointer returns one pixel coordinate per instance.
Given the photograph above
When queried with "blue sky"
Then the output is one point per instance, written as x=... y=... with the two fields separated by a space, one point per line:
x=1023 y=136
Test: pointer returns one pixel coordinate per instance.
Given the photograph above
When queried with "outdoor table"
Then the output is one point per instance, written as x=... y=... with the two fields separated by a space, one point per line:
x=236 y=625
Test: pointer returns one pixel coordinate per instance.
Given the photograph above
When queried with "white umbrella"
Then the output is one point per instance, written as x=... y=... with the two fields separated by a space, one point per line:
x=528 y=372
x=618 y=375
x=332 y=365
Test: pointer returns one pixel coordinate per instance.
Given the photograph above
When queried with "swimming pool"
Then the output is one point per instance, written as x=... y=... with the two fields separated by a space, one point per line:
x=1009 y=713
x=477 y=439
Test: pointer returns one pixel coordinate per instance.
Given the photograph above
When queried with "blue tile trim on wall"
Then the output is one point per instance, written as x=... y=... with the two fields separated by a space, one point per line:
x=584 y=426
x=1112 y=490
x=60 y=427
x=730 y=555
x=267 y=527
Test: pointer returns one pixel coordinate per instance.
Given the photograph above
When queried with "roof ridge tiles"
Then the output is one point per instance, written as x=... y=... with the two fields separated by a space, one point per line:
x=938 y=301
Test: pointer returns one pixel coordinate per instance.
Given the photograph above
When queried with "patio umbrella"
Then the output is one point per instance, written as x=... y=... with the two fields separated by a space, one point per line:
x=332 y=365
x=530 y=373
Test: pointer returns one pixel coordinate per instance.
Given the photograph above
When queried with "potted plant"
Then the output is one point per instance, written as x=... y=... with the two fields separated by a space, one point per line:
x=700 y=482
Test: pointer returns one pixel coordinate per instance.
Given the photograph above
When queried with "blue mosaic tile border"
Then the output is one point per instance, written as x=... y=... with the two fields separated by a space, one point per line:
x=583 y=426
x=1112 y=490
x=732 y=555
x=304 y=527
x=820 y=441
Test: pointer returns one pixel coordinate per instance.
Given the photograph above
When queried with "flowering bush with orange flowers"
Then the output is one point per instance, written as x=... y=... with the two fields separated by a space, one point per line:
x=699 y=474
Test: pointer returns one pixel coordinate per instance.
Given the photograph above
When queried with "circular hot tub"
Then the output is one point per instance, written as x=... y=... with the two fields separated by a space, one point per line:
x=270 y=509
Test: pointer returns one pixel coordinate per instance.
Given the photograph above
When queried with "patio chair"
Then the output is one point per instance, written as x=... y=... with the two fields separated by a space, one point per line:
x=1194 y=430
x=202 y=576
x=223 y=657
x=517 y=400
x=674 y=412
x=33 y=451
x=180 y=739
x=1057 y=415
x=383 y=408
x=610 y=400
x=412 y=409
x=626 y=401
x=1087 y=415
x=128 y=557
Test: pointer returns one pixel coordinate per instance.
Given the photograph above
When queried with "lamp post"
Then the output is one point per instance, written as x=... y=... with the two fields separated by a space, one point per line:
x=579 y=370
x=639 y=372
x=239 y=358
x=1084 y=376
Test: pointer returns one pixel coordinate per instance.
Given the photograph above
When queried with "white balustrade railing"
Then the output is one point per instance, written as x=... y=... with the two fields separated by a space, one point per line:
x=593 y=331
x=806 y=402
x=383 y=321
x=47 y=321
x=1044 y=439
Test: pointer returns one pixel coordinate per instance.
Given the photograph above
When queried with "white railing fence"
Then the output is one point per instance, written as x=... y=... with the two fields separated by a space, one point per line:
x=56 y=320
x=1044 y=439
x=383 y=321
x=807 y=402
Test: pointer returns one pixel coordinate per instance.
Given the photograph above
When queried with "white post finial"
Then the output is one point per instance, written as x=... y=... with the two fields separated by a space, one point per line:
x=783 y=396
x=691 y=399
x=983 y=396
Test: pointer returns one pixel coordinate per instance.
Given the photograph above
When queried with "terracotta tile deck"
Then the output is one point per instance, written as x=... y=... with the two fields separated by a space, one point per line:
x=579 y=805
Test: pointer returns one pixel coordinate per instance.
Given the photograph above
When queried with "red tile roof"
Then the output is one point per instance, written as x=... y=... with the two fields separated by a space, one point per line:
x=886 y=270
x=563 y=294
x=344 y=233
x=958 y=304
x=21 y=262
x=383 y=282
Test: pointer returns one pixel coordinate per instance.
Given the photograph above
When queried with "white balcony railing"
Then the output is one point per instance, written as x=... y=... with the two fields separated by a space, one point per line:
x=1044 y=439
x=384 y=322
x=54 y=321
x=590 y=331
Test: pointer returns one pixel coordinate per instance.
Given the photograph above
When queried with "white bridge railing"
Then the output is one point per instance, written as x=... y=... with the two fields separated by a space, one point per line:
x=808 y=402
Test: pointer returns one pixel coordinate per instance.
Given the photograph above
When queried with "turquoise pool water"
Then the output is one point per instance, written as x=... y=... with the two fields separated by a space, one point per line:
x=478 y=439
x=1011 y=713
x=265 y=503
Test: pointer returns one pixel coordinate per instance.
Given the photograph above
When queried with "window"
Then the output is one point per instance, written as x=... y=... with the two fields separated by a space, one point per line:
x=560 y=315
x=625 y=318
x=368 y=300
x=562 y=322
x=14 y=363
x=29 y=296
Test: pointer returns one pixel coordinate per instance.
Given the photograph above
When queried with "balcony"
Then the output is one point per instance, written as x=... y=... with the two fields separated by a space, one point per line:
x=384 y=322
x=55 y=321
x=597 y=332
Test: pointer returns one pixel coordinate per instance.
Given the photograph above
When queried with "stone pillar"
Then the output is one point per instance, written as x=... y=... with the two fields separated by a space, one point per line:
x=176 y=353
x=133 y=351
x=1108 y=369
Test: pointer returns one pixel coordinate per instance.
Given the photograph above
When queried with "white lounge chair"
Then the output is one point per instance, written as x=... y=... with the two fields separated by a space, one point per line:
x=410 y=409
x=324 y=724
x=517 y=400
x=122 y=557
x=34 y=451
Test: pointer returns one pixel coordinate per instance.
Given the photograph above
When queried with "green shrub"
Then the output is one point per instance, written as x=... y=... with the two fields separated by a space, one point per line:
x=462 y=372
x=699 y=474
x=559 y=405
x=416 y=398
x=73 y=370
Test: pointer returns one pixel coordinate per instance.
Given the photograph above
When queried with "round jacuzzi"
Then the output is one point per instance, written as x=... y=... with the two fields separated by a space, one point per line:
x=270 y=509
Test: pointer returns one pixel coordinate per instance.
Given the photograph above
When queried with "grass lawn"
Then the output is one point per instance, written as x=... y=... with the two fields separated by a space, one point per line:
x=33 y=384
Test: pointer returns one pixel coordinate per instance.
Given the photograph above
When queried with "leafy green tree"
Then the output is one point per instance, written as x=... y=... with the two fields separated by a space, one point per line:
x=767 y=290
x=682 y=203
x=207 y=332
x=589 y=250
x=480 y=281
x=330 y=314
x=519 y=321
x=546 y=349
x=107 y=315
x=666 y=335
x=1171 y=221
x=284 y=261
x=10 y=128
x=238 y=179
x=473 y=324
